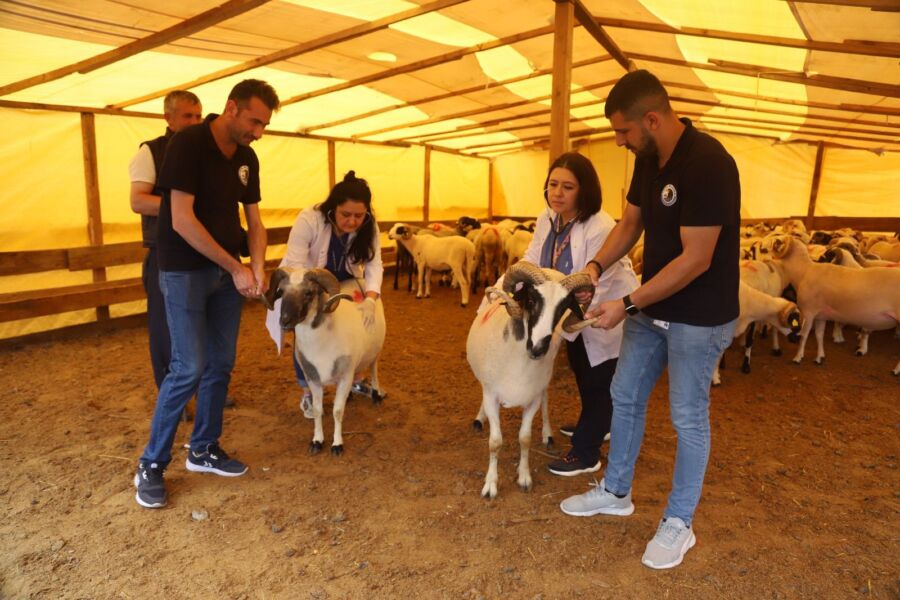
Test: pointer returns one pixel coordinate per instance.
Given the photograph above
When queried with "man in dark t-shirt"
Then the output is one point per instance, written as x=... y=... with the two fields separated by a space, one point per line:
x=685 y=198
x=208 y=172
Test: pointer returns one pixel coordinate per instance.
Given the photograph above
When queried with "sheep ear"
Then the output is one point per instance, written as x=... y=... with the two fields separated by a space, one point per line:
x=275 y=290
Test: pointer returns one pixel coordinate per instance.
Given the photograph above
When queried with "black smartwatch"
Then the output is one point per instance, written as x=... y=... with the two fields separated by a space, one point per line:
x=630 y=308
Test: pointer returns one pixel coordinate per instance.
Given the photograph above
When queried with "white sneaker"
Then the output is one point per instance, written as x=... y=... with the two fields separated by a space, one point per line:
x=306 y=405
x=667 y=548
x=597 y=502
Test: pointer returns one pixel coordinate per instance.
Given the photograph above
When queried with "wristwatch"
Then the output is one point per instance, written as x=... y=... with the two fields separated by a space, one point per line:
x=630 y=308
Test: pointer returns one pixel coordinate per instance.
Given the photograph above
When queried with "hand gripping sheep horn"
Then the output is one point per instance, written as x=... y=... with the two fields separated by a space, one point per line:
x=512 y=352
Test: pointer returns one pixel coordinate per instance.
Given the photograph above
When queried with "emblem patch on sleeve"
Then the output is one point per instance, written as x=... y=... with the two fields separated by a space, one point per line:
x=244 y=174
x=669 y=195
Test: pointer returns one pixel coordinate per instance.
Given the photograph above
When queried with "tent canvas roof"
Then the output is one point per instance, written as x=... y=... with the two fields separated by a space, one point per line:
x=470 y=75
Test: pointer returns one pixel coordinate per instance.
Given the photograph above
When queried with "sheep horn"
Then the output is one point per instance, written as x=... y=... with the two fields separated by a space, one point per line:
x=576 y=281
x=324 y=279
x=573 y=324
x=512 y=307
x=331 y=304
x=274 y=292
x=522 y=272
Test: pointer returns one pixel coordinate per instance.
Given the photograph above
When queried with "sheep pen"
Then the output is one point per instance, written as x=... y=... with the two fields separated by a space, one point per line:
x=800 y=497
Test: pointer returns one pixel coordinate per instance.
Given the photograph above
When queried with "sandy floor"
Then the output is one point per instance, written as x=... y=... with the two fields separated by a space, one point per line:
x=801 y=498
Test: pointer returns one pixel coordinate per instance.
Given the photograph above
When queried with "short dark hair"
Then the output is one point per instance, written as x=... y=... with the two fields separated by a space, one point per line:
x=248 y=88
x=354 y=188
x=173 y=97
x=637 y=93
x=590 y=199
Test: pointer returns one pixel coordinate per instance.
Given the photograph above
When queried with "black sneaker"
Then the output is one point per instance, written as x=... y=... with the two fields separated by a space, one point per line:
x=214 y=460
x=571 y=465
x=151 y=489
x=567 y=430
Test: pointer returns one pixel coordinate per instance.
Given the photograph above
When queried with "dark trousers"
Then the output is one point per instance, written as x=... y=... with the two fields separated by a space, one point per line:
x=157 y=325
x=596 y=401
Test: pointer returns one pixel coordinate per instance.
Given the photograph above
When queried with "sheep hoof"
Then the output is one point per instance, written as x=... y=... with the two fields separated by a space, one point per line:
x=549 y=443
x=525 y=487
x=418 y=296
x=860 y=353
x=477 y=426
x=776 y=352
x=819 y=360
x=489 y=491
x=745 y=368
x=315 y=447
x=716 y=383
x=337 y=450
x=377 y=397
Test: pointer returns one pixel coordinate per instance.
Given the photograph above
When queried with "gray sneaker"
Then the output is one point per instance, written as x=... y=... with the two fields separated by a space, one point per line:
x=306 y=404
x=597 y=502
x=667 y=548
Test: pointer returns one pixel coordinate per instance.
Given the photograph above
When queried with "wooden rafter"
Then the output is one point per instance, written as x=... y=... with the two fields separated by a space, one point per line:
x=788 y=126
x=836 y=83
x=870 y=109
x=786 y=113
x=876 y=5
x=846 y=47
x=298 y=49
x=204 y=20
x=476 y=111
x=452 y=94
x=421 y=64
x=586 y=19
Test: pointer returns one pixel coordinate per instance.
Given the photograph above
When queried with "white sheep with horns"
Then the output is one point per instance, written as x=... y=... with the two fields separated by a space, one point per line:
x=512 y=351
x=331 y=342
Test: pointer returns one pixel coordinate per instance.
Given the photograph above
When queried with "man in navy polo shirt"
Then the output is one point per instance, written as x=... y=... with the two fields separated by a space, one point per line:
x=685 y=197
x=208 y=171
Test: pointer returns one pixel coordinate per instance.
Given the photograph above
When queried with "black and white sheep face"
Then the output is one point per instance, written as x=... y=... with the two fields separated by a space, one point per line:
x=542 y=306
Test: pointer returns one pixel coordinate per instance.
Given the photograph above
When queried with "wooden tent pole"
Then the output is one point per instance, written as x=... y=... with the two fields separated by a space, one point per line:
x=814 y=189
x=562 y=78
x=332 y=179
x=490 y=214
x=427 y=191
x=92 y=190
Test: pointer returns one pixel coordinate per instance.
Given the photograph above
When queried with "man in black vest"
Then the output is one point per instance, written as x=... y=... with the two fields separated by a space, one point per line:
x=181 y=109
x=685 y=196
x=208 y=174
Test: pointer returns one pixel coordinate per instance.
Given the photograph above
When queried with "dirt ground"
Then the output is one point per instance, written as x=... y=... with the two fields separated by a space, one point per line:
x=801 y=498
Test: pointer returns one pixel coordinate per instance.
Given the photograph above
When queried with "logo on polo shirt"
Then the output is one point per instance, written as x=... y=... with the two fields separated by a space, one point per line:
x=669 y=195
x=244 y=174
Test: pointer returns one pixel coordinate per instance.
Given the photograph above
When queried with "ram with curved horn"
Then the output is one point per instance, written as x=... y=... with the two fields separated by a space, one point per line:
x=511 y=349
x=331 y=342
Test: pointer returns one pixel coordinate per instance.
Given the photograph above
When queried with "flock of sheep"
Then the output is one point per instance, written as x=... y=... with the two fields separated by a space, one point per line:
x=791 y=281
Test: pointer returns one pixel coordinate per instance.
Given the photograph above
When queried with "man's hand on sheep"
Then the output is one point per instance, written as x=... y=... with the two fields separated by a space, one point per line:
x=367 y=308
x=245 y=282
x=611 y=313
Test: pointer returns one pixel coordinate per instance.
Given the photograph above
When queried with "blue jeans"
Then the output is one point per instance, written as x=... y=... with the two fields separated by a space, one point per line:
x=204 y=312
x=691 y=354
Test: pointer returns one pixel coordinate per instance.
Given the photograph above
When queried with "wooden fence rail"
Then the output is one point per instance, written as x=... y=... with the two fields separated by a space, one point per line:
x=36 y=303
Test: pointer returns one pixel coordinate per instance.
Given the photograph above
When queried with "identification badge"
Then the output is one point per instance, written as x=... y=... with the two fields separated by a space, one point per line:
x=662 y=324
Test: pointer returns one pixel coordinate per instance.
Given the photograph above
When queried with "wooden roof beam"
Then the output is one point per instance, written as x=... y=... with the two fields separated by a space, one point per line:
x=469 y=90
x=469 y=113
x=421 y=64
x=871 y=109
x=867 y=48
x=586 y=19
x=786 y=113
x=874 y=5
x=298 y=49
x=204 y=20
x=836 y=83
